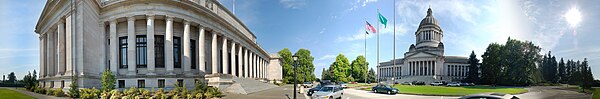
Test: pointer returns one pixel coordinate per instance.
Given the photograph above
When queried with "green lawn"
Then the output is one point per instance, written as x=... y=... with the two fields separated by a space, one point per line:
x=596 y=93
x=10 y=94
x=455 y=91
x=361 y=84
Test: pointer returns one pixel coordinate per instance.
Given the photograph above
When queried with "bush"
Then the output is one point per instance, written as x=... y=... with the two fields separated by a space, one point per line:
x=50 y=92
x=40 y=90
x=160 y=94
x=89 y=93
x=74 y=90
x=115 y=94
x=108 y=81
x=59 y=92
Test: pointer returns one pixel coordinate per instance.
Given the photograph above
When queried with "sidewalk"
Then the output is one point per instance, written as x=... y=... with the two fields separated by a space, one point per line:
x=36 y=95
x=273 y=93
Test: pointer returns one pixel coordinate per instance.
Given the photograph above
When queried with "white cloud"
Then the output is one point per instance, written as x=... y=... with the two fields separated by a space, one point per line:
x=368 y=1
x=326 y=57
x=322 y=30
x=293 y=4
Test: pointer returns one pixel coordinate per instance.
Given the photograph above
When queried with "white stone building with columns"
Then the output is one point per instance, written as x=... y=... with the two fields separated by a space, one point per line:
x=425 y=61
x=148 y=43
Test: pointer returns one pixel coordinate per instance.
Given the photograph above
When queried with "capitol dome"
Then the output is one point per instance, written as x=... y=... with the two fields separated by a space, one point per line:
x=429 y=33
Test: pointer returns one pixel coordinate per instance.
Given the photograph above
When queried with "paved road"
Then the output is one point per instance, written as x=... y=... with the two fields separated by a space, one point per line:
x=273 y=93
x=552 y=92
x=535 y=92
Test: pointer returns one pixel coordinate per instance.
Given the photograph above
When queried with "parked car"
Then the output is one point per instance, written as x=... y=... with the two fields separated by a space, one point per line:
x=418 y=83
x=384 y=89
x=436 y=83
x=343 y=85
x=490 y=96
x=307 y=84
x=406 y=83
x=314 y=89
x=453 y=84
x=329 y=92
x=467 y=84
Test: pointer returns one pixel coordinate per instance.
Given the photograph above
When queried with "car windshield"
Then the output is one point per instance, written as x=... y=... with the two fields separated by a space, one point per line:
x=326 y=89
x=306 y=82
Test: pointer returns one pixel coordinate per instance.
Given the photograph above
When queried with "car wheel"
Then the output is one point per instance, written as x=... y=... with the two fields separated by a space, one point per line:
x=389 y=92
x=375 y=91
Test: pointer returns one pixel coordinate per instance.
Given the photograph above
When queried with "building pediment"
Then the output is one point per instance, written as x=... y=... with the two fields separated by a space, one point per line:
x=421 y=54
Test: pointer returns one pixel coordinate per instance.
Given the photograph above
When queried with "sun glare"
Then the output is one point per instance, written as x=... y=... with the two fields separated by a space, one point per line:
x=573 y=17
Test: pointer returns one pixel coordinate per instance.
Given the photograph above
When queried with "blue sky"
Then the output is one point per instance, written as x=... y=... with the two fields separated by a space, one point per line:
x=330 y=27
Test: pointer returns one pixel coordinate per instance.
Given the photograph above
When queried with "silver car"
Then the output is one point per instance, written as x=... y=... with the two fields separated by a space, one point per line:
x=329 y=92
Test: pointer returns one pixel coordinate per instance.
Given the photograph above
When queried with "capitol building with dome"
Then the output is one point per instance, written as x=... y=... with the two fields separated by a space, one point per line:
x=425 y=61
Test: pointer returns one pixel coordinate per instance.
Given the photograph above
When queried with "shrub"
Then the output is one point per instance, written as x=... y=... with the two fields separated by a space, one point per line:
x=59 y=92
x=160 y=94
x=212 y=92
x=115 y=94
x=74 y=90
x=50 y=92
x=89 y=93
x=108 y=81
x=41 y=90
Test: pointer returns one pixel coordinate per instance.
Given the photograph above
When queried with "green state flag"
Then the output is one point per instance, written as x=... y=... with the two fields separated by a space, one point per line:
x=382 y=20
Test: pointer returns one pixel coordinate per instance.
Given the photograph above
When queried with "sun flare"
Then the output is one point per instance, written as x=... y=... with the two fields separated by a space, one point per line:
x=573 y=17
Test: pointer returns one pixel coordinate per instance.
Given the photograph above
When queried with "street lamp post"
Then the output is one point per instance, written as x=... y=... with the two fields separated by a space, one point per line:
x=295 y=65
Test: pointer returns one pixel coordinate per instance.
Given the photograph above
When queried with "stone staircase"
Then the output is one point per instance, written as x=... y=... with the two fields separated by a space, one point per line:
x=247 y=86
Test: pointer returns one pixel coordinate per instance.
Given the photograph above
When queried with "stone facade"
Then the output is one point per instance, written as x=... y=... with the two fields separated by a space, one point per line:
x=147 y=44
x=425 y=61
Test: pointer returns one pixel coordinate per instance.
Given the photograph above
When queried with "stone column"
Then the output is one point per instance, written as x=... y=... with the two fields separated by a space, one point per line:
x=131 y=61
x=69 y=44
x=233 y=60
x=150 y=42
x=246 y=63
x=169 y=46
x=42 y=55
x=187 y=52
x=214 y=53
x=61 y=47
x=251 y=65
x=50 y=54
x=201 y=51
x=114 y=46
x=239 y=61
x=224 y=65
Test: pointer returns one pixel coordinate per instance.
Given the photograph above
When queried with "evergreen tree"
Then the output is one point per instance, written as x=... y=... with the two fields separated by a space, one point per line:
x=12 y=78
x=561 y=71
x=371 y=76
x=74 y=87
x=108 y=81
x=473 y=68
x=490 y=66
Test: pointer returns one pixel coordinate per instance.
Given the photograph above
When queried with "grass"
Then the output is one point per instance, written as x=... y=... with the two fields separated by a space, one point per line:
x=11 y=94
x=361 y=84
x=454 y=91
x=596 y=93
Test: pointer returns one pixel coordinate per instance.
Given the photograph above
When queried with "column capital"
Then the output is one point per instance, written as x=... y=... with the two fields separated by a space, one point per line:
x=114 y=21
x=130 y=18
x=169 y=18
x=150 y=16
x=186 y=22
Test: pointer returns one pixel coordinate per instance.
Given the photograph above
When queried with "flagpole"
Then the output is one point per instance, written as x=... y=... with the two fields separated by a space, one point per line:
x=395 y=72
x=366 y=73
x=378 y=19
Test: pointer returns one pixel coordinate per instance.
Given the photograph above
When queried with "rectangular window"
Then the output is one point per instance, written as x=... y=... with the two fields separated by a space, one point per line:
x=177 y=52
x=159 y=51
x=123 y=52
x=180 y=82
x=51 y=84
x=62 y=84
x=121 y=83
x=140 y=51
x=141 y=83
x=193 y=57
x=161 y=83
